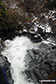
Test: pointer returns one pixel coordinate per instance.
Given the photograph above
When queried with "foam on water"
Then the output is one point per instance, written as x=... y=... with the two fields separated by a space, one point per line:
x=16 y=51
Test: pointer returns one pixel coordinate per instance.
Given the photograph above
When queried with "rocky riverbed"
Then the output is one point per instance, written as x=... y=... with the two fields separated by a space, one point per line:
x=29 y=64
x=40 y=61
x=27 y=41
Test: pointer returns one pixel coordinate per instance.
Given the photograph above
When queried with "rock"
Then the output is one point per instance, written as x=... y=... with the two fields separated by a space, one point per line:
x=7 y=33
x=5 y=74
x=54 y=30
x=1 y=45
x=36 y=39
x=41 y=62
x=47 y=45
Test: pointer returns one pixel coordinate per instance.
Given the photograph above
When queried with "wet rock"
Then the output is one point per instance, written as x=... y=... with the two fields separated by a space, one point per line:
x=34 y=31
x=36 y=39
x=54 y=30
x=5 y=74
x=1 y=45
x=41 y=62
x=47 y=45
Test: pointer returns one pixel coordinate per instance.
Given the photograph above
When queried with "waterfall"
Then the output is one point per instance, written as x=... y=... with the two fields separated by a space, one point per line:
x=15 y=51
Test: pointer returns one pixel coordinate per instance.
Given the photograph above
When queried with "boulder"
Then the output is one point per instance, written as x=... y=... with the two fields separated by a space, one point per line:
x=5 y=74
x=41 y=62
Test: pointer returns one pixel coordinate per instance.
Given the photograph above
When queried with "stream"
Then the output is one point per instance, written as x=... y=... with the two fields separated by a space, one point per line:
x=32 y=53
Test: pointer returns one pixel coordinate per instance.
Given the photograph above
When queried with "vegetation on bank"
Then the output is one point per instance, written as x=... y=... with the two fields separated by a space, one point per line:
x=6 y=20
x=11 y=18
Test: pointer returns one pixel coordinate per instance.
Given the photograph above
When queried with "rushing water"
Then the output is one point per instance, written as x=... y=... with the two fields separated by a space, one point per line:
x=16 y=51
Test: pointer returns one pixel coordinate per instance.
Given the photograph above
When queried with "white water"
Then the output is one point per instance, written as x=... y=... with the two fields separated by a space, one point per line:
x=16 y=51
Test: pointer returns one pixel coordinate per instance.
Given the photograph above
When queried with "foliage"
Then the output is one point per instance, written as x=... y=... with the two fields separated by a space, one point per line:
x=10 y=18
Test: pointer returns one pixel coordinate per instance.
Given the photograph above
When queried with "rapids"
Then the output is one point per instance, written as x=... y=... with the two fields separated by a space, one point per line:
x=15 y=51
